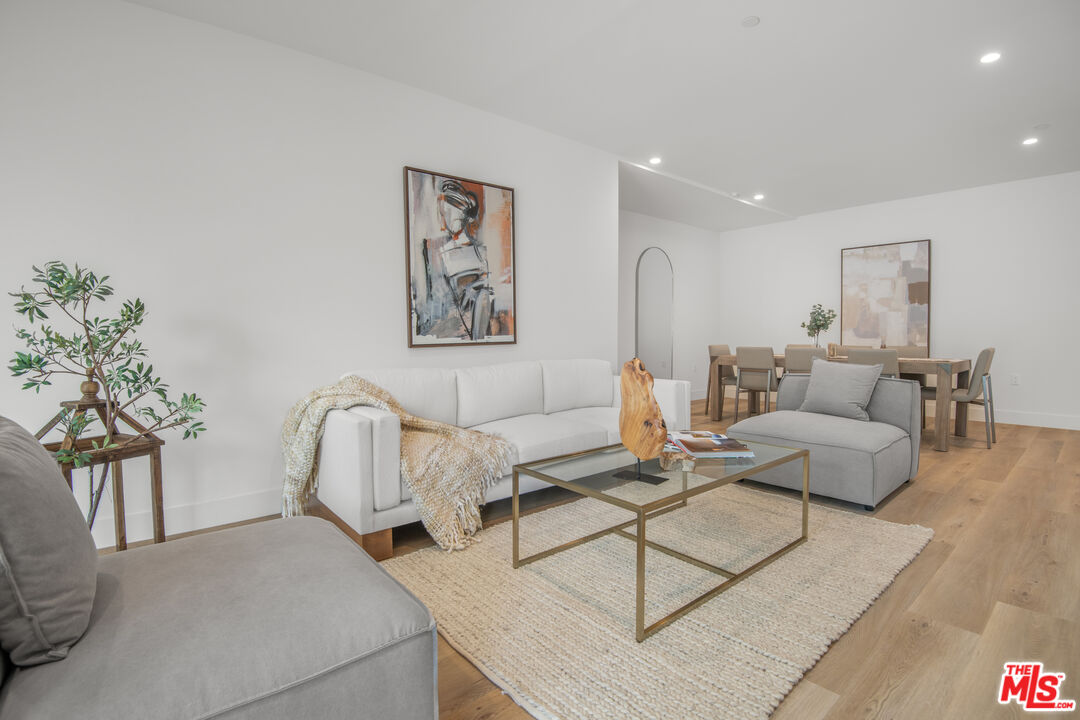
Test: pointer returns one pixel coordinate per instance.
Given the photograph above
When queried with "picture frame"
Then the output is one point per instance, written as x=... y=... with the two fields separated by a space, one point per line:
x=885 y=296
x=459 y=261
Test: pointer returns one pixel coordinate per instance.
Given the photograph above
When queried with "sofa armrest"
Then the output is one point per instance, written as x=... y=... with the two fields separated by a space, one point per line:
x=792 y=391
x=673 y=396
x=899 y=402
x=359 y=464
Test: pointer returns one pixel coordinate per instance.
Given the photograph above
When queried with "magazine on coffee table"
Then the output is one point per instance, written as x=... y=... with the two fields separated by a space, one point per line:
x=704 y=444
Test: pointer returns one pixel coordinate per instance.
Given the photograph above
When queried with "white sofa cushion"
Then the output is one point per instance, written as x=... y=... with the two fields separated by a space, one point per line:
x=570 y=384
x=605 y=417
x=494 y=392
x=425 y=392
x=537 y=436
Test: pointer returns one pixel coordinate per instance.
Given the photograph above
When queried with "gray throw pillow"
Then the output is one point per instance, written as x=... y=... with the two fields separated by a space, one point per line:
x=48 y=561
x=841 y=389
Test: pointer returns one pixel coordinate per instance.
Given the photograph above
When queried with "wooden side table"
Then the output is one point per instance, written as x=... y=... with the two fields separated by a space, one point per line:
x=140 y=447
x=143 y=443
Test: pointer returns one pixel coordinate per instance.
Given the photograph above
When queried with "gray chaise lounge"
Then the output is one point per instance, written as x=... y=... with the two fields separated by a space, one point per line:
x=279 y=619
x=853 y=460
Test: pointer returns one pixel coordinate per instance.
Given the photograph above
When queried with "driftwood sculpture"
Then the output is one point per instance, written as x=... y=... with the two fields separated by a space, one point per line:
x=641 y=424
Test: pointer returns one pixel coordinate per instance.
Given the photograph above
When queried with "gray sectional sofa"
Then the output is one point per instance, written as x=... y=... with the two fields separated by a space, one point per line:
x=274 y=620
x=855 y=460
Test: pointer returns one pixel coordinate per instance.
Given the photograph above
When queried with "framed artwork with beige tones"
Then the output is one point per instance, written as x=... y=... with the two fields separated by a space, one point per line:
x=459 y=258
x=885 y=297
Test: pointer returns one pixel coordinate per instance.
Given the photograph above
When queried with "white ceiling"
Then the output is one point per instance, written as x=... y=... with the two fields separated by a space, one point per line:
x=825 y=104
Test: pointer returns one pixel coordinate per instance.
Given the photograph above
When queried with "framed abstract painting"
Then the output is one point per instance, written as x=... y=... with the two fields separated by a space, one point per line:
x=459 y=260
x=885 y=297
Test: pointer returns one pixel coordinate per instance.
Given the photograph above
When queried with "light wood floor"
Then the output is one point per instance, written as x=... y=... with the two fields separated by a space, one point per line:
x=999 y=582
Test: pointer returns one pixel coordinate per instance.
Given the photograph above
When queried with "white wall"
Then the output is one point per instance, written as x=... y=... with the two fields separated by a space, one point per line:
x=252 y=197
x=1004 y=260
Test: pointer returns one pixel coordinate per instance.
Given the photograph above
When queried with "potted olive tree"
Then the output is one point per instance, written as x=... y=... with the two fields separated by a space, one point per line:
x=820 y=321
x=104 y=352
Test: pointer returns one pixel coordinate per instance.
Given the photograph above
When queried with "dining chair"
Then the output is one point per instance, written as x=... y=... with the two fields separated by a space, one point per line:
x=846 y=349
x=720 y=376
x=913 y=351
x=755 y=372
x=888 y=359
x=980 y=391
x=797 y=358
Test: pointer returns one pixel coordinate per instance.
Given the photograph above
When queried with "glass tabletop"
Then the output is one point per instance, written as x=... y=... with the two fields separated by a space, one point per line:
x=611 y=474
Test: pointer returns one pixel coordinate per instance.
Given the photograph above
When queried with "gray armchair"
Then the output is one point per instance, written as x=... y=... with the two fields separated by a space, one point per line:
x=274 y=620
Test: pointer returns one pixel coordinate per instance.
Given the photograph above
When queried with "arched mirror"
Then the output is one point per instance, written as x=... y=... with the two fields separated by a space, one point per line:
x=654 y=334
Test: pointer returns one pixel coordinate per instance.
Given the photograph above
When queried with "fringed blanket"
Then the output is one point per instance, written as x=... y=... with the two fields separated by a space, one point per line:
x=446 y=468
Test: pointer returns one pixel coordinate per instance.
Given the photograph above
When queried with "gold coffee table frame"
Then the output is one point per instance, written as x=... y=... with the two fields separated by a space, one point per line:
x=655 y=508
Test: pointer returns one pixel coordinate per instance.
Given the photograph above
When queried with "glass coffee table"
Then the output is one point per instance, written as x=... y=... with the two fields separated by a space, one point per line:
x=593 y=474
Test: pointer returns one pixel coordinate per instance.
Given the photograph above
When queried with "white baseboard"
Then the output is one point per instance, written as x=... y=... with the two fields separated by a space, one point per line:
x=1036 y=419
x=185 y=518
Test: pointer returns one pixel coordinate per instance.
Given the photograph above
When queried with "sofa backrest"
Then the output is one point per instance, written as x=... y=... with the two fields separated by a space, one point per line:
x=425 y=392
x=571 y=384
x=475 y=395
x=894 y=401
x=494 y=392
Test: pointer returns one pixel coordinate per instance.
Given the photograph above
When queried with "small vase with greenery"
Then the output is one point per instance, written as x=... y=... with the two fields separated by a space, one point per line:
x=105 y=353
x=820 y=321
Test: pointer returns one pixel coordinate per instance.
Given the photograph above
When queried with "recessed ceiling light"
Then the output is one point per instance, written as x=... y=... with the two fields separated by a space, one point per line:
x=655 y=160
x=759 y=196
x=750 y=21
x=990 y=58
x=1031 y=141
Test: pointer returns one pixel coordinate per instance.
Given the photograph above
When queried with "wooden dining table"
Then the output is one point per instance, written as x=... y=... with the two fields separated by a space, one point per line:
x=942 y=368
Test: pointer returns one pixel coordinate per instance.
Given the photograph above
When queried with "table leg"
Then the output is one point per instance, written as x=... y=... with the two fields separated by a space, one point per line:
x=752 y=407
x=962 y=408
x=640 y=617
x=119 y=521
x=157 y=501
x=713 y=398
x=805 y=496
x=515 y=505
x=942 y=403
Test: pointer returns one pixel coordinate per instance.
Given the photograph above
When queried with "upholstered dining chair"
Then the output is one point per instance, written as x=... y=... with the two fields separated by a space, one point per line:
x=980 y=391
x=755 y=372
x=845 y=350
x=889 y=359
x=720 y=376
x=797 y=358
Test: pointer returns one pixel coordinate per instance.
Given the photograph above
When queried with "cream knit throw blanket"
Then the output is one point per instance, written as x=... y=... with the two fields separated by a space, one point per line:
x=446 y=468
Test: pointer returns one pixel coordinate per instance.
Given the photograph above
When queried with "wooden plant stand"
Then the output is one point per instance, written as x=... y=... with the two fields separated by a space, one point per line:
x=145 y=444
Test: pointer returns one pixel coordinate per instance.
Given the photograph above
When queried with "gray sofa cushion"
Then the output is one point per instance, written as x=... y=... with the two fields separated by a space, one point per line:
x=279 y=619
x=823 y=430
x=850 y=460
x=48 y=562
x=840 y=389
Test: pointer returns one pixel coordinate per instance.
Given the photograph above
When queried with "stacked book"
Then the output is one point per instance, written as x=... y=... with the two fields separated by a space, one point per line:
x=704 y=444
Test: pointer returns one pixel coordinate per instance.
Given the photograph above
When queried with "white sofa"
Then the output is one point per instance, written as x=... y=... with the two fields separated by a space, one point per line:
x=544 y=408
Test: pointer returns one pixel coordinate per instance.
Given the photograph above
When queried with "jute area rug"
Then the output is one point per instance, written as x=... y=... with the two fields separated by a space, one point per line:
x=558 y=635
